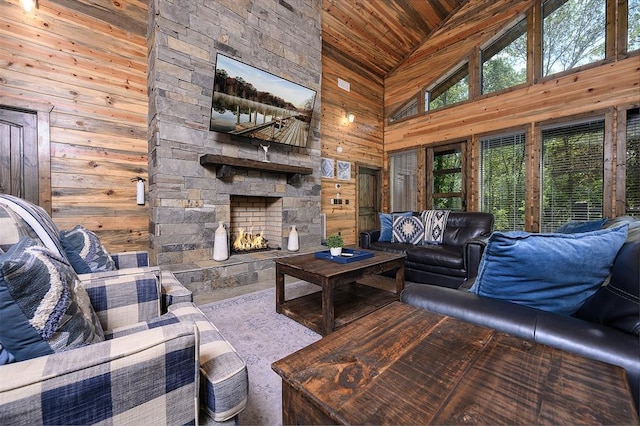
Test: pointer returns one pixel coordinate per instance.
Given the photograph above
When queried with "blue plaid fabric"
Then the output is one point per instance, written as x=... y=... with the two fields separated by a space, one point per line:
x=113 y=382
x=223 y=373
x=154 y=368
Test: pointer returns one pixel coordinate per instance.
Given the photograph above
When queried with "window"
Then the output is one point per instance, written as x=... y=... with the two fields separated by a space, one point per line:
x=573 y=34
x=632 y=179
x=408 y=110
x=504 y=62
x=502 y=180
x=633 y=25
x=403 y=169
x=572 y=174
x=453 y=89
x=446 y=177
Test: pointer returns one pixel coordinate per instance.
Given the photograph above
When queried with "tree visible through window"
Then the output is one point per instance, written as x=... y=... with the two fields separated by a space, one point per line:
x=573 y=34
x=502 y=180
x=633 y=25
x=447 y=179
x=452 y=90
x=504 y=62
x=572 y=174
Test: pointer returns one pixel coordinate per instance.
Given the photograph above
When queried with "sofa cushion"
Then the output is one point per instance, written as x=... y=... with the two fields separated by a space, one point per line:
x=576 y=226
x=85 y=251
x=386 y=225
x=407 y=229
x=551 y=272
x=434 y=255
x=43 y=306
x=617 y=304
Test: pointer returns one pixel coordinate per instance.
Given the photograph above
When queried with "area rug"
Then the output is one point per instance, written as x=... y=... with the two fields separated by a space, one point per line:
x=261 y=336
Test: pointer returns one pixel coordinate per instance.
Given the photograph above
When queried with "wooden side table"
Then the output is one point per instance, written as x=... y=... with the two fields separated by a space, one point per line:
x=405 y=365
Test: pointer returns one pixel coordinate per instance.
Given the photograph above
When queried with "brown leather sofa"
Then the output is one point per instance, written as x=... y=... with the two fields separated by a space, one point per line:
x=448 y=264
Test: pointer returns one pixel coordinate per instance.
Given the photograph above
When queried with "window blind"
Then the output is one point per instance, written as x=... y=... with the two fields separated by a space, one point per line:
x=502 y=180
x=572 y=173
x=403 y=181
x=632 y=179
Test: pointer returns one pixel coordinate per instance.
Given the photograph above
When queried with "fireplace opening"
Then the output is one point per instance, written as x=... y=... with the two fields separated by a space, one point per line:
x=256 y=223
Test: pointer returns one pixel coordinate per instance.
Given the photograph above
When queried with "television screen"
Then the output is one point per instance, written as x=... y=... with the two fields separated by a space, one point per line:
x=253 y=103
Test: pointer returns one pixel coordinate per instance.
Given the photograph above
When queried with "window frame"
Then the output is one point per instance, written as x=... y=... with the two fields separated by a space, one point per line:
x=447 y=81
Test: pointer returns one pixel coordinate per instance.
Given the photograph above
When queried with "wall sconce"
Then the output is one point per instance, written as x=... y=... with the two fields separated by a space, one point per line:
x=348 y=117
x=29 y=5
x=139 y=190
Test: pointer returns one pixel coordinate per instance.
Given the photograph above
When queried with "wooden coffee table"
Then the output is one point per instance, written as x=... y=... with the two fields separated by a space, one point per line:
x=408 y=366
x=343 y=297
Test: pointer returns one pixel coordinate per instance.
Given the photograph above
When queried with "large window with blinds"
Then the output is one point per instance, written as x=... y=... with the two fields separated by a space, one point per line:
x=632 y=178
x=502 y=180
x=572 y=173
x=403 y=169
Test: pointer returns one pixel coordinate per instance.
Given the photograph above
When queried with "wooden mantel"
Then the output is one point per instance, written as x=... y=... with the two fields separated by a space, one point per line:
x=226 y=166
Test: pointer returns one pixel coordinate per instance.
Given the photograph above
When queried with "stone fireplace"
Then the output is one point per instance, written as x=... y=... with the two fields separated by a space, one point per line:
x=187 y=199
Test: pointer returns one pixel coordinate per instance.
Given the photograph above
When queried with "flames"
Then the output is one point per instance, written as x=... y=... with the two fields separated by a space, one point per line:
x=246 y=241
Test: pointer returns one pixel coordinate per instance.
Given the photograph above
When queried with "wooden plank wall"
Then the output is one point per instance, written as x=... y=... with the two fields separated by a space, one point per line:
x=86 y=60
x=361 y=141
x=598 y=89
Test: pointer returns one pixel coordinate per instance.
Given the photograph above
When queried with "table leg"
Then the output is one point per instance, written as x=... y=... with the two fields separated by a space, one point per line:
x=328 y=309
x=399 y=280
x=279 y=289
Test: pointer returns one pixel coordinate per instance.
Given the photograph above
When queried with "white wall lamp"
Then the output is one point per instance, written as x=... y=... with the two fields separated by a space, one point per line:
x=29 y=5
x=348 y=116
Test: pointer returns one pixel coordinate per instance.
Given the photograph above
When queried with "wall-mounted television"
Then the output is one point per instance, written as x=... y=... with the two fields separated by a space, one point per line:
x=252 y=103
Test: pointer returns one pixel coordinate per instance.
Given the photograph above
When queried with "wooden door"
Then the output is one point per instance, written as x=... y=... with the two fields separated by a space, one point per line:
x=19 y=154
x=368 y=198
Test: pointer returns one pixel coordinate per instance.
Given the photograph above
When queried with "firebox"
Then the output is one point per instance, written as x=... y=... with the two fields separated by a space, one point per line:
x=256 y=223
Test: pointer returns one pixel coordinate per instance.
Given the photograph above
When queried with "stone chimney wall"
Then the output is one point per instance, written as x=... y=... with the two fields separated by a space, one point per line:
x=186 y=199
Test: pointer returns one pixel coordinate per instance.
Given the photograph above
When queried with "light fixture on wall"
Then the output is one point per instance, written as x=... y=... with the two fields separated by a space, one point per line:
x=29 y=5
x=348 y=116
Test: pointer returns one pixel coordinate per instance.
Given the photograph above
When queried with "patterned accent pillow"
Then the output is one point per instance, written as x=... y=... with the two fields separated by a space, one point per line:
x=43 y=306
x=435 y=222
x=407 y=229
x=85 y=252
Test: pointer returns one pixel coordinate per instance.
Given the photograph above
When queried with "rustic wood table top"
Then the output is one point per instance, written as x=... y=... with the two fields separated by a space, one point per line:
x=405 y=365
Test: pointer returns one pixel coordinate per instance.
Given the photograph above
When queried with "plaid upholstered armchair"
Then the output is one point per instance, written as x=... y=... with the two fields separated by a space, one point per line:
x=121 y=345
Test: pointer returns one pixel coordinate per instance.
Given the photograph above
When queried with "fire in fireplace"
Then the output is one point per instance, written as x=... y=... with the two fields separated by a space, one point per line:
x=247 y=241
x=256 y=223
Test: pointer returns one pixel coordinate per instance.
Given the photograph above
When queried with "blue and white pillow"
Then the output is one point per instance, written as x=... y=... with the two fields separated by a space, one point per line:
x=85 y=251
x=43 y=306
x=407 y=229
x=386 y=225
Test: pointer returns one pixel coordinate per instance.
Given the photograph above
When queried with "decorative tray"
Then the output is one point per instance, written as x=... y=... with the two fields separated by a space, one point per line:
x=347 y=256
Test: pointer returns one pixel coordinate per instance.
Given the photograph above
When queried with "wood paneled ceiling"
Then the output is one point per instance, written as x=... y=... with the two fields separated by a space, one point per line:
x=379 y=34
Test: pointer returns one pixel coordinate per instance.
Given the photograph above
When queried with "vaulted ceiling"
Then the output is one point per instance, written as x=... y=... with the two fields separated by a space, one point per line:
x=380 y=34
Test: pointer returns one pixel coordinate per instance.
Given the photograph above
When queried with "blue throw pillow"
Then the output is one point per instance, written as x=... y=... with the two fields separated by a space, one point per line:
x=386 y=225
x=85 y=251
x=576 y=226
x=43 y=306
x=551 y=272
